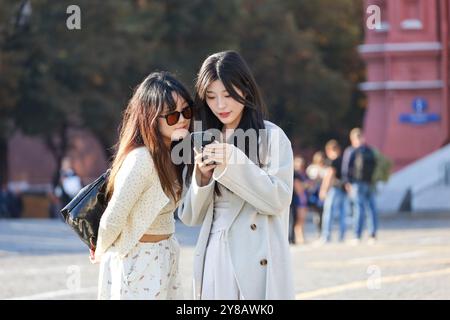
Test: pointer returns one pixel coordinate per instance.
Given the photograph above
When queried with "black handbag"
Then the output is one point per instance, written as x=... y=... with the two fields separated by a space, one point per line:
x=84 y=211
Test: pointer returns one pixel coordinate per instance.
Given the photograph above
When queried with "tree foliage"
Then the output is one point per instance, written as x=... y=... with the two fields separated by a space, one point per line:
x=302 y=52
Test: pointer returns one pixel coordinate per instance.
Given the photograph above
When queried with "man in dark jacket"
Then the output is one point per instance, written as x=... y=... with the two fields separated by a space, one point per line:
x=358 y=166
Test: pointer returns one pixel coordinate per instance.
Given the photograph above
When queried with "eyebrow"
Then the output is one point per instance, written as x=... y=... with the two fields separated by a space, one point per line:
x=209 y=91
x=182 y=108
x=165 y=110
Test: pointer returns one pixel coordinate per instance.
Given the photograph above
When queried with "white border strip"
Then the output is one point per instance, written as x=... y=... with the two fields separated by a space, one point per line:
x=56 y=294
x=401 y=85
x=400 y=47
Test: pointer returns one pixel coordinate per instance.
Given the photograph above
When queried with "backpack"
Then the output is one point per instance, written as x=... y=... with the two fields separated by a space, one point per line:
x=382 y=168
x=364 y=164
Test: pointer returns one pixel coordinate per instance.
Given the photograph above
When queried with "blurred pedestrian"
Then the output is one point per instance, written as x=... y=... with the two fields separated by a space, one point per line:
x=316 y=172
x=317 y=169
x=333 y=193
x=4 y=210
x=11 y=203
x=300 y=200
x=17 y=190
x=358 y=168
x=69 y=184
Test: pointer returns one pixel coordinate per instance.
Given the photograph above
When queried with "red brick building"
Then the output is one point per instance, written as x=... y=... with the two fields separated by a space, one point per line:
x=31 y=168
x=31 y=161
x=407 y=86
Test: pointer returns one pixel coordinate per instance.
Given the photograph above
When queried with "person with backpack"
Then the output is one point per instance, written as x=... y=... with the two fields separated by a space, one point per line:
x=358 y=167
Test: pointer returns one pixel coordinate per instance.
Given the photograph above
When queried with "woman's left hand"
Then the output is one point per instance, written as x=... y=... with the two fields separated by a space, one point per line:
x=92 y=256
x=92 y=252
x=219 y=152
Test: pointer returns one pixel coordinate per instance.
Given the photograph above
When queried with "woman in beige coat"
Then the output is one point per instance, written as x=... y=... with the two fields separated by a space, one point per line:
x=239 y=189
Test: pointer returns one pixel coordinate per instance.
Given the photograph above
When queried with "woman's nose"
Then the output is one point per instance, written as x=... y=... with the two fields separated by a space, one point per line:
x=221 y=103
x=183 y=119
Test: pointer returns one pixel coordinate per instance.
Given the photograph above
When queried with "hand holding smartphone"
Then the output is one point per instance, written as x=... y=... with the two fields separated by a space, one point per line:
x=199 y=140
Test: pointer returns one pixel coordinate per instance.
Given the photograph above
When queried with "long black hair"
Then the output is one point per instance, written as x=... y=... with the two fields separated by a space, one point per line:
x=230 y=68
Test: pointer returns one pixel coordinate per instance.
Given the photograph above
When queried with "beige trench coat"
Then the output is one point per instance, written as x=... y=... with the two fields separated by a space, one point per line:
x=259 y=202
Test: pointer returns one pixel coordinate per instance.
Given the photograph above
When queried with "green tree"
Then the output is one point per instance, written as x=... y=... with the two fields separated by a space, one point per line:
x=11 y=71
x=69 y=78
x=303 y=55
x=52 y=79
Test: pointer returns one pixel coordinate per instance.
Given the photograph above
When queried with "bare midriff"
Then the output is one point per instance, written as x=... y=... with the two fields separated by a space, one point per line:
x=154 y=237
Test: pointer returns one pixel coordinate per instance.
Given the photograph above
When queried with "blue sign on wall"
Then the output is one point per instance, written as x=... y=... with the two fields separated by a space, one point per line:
x=419 y=115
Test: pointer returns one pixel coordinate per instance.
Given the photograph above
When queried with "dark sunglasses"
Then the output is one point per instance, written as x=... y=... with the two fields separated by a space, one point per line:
x=173 y=117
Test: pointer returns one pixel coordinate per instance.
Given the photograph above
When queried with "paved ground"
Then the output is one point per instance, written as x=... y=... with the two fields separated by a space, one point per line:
x=42 y=259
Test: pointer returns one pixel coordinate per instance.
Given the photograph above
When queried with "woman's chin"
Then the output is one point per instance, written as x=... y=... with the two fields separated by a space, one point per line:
x=225 y=121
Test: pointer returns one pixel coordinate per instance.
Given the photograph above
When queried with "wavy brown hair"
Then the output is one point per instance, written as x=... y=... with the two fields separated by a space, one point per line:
x=140 y=128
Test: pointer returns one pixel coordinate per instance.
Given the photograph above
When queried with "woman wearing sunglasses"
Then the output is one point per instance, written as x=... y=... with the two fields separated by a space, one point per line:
x=241 y=198
x=137 y=251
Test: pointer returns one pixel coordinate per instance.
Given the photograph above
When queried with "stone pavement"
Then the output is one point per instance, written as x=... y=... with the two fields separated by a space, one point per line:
x=43 y=259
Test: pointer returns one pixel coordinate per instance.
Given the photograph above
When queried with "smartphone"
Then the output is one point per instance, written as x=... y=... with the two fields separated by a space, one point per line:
x=200 y=139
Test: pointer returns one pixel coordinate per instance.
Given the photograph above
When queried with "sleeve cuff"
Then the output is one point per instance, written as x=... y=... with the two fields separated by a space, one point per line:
x=236 y=157
x=97 y=258
x=195 y=185
x=219 y=172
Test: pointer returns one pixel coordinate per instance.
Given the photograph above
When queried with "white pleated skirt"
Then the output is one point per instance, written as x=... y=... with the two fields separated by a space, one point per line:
x=219 y=281
x=148 y=272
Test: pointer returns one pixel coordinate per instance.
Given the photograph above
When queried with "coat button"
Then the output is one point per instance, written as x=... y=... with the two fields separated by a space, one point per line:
x=263 y=262
x=253 y=226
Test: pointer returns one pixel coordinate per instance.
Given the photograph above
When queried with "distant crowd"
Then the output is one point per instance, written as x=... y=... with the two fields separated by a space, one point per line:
x=338 y=185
